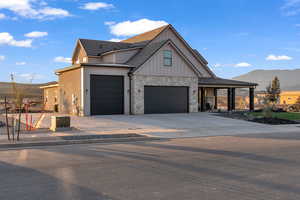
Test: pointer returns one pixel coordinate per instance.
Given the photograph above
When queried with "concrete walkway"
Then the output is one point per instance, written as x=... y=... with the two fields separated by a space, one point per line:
x=170 y=125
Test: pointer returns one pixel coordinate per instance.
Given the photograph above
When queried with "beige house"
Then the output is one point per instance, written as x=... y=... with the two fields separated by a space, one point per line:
x=154 y=72
x=50 y=96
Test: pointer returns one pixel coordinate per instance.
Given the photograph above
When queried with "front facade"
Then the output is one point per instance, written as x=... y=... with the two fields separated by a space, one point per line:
x=155 y=72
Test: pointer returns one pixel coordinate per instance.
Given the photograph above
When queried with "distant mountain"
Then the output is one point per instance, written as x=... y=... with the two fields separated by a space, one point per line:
x=289 y=79
x=28 y=90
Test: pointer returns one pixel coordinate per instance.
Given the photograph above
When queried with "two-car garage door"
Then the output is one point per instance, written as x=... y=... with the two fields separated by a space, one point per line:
x=166 y=99
x=107 y=97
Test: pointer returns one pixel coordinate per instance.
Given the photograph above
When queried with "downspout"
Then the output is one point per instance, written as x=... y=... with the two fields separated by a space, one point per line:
x=130 y=91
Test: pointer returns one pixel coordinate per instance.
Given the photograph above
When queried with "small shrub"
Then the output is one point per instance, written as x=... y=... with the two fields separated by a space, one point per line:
x=268 y=112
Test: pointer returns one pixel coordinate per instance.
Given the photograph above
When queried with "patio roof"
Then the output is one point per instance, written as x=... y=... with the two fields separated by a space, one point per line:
x=224 y=83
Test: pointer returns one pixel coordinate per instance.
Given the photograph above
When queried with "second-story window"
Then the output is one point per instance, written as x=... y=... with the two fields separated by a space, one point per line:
x=167 y=58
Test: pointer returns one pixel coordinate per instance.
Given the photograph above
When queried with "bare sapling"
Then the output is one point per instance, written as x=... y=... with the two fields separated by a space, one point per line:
x=19 y=121
x=6 y=118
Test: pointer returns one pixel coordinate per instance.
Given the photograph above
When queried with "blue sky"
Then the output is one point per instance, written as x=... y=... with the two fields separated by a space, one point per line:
x=235 y=36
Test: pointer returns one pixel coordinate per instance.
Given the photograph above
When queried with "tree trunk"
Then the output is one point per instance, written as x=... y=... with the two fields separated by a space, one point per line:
x=13 y=127
x=19 y=123
x=6 y=117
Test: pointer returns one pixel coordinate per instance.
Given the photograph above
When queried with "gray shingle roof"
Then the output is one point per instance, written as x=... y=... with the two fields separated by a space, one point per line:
x=144 y=54
x=200 y=56
x=222 y=82
x=98 y=47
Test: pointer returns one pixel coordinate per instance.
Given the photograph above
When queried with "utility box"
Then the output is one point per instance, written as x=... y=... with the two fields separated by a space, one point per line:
x=62 y=123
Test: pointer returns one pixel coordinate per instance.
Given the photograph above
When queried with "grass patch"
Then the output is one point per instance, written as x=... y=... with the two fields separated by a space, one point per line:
x=279 y=115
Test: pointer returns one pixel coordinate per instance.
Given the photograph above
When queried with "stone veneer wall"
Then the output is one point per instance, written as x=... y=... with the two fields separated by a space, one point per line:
x=139 y=81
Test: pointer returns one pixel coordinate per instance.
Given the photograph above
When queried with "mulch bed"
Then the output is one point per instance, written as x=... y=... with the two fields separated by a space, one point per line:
x=243 y=116
x=273 y=121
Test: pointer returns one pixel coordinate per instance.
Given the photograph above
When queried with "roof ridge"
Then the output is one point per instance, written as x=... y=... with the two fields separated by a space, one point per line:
x=149 y=35
x=102 y=41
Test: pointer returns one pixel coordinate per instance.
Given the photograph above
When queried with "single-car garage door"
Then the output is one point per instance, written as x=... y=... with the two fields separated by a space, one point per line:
x=107 y=95
x=158 y=99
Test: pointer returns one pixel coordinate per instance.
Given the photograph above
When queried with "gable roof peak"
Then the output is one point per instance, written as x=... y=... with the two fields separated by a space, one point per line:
x=149 y=35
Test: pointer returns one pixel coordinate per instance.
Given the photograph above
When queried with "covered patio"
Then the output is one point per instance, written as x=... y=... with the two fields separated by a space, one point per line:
x=208 y=93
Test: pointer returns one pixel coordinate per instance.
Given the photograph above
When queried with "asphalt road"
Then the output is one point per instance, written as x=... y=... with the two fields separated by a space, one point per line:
x=233 y=167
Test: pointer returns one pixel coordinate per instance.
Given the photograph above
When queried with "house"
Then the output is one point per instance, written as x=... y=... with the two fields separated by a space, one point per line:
x=289 y=97
x=50 y=96
x=154 y=72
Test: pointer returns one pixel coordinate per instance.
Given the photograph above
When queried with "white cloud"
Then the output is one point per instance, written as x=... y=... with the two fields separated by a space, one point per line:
x=243 y=64
x=276 y=58
x=2 y=16
x=2 y=57
x=96 y=6
x=217 y=65
x=62 y=59
x=30 y=76
x=130 y=28
x=54 y=12
x=8 y=39
x=32 y=9
x=115 y=40
x=36 y=34
x=20 y=63
x=109 y=23
x=291 y=7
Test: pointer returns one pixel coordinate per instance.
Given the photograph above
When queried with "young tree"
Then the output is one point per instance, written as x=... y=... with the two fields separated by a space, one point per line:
x=273 y=91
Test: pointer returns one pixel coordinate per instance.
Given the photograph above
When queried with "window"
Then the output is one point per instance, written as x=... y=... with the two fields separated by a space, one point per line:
x=167 y=58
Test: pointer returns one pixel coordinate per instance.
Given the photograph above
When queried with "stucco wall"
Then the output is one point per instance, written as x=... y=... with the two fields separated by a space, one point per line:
x=79 y=55
x=95 y=60
x=50 y=98
x=119 y=56
x=70 y=92
x=139 y=81
x=88 y=71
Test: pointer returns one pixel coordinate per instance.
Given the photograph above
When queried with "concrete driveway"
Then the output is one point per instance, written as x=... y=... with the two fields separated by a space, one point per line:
x=169 y=125
x=174 y=125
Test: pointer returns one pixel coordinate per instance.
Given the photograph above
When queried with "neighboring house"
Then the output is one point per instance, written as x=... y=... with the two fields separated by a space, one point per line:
x=50 y=96
x=154 y=72
x=289 y=97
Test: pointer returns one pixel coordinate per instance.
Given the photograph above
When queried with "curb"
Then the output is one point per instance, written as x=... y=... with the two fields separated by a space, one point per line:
x=70 y=142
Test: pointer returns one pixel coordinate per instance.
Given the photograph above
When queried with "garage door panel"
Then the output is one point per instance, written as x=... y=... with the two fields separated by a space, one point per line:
x=158 y=99
x=107 y=95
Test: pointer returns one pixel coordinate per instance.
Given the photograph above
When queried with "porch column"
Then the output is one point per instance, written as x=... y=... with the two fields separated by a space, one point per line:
x=232 y=98
x=203 y=99
x=229 y=104
x=216 y=98
x=251 y=99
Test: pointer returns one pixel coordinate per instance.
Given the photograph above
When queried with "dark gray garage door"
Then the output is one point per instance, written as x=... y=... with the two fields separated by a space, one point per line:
x=166 y=99
x=107 y=95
